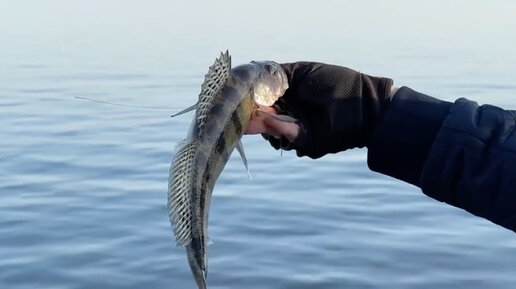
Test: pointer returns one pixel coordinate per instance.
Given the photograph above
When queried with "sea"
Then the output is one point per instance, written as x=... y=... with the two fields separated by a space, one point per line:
x=83 y=184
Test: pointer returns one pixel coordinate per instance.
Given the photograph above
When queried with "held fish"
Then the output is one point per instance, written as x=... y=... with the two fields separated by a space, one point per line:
x=227 y=100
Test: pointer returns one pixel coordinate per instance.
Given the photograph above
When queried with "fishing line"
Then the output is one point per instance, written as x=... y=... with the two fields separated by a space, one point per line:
x=125 y=105
x=58 y=21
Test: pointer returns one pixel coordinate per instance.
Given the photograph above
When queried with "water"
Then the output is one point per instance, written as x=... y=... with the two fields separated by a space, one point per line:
x=83 y=185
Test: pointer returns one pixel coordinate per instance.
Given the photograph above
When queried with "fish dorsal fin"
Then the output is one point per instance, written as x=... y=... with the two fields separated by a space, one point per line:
x=214 y=81
x=179 y=192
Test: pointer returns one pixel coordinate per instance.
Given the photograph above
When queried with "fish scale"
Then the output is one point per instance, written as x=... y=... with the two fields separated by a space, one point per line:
x=226 y=102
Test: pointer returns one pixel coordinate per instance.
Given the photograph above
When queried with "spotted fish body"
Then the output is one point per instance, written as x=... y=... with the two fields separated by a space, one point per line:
x=227 y=100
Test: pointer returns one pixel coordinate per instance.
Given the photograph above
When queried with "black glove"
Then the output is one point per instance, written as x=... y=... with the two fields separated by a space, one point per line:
x=337 y=107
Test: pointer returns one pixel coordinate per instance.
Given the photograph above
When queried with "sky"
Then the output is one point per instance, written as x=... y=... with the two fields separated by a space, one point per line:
x=402 y=39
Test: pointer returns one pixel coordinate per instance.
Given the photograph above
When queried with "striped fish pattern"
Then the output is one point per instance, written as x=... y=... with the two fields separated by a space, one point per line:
x=227 y=100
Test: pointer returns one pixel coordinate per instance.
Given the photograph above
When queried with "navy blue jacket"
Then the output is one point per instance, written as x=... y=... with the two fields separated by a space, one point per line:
x=459 y=153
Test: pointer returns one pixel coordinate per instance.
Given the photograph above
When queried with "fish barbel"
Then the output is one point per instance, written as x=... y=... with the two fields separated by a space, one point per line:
x=227 y=100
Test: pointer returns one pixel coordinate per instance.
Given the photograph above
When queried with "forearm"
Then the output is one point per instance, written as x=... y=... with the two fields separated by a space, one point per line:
x=472 y=163
x=404 y=134
x=456 y=153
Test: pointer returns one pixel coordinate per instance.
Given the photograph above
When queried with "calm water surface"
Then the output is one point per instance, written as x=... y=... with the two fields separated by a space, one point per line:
x=83 y=185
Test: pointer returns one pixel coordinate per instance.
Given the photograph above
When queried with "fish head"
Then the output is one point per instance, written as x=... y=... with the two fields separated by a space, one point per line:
x=270 y=84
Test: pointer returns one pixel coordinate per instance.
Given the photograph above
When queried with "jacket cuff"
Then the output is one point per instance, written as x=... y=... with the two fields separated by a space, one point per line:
x=404 y=134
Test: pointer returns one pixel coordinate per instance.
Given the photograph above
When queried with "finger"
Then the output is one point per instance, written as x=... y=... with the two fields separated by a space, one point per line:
x=256 y=123
x=280 y=128
x=268 y=109
x=255 y=126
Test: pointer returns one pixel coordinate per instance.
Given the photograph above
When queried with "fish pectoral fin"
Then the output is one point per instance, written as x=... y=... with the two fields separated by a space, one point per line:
x=190 y=108
x=280 y=117
x=240 y=149
x=210 y=242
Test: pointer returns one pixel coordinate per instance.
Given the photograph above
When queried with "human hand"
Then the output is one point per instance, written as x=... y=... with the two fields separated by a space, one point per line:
x=262 y=124
x=337 y=108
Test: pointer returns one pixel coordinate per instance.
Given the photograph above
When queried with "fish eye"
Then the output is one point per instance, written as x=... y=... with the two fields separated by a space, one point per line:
x=271 y=68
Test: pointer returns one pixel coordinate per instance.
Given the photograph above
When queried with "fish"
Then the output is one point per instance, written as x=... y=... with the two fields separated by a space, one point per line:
x=228 y=99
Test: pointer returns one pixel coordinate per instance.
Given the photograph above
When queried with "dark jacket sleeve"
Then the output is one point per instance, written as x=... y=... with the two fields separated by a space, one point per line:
x=459 y=153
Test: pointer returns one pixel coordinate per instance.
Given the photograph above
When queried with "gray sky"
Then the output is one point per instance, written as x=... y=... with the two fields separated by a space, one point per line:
x=107 y=29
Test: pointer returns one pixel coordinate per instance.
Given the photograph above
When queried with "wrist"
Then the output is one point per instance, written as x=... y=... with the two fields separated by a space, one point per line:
x=393 y=91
